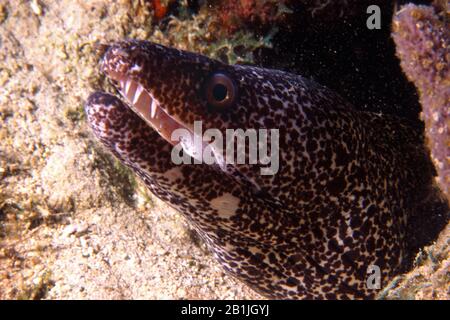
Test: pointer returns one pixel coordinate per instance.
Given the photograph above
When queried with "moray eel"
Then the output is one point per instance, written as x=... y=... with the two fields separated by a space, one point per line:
x=335 y=212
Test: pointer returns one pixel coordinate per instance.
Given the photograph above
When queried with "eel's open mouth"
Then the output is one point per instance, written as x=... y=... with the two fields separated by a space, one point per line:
x=149 y=109
x=125 y=64
x=146 y=106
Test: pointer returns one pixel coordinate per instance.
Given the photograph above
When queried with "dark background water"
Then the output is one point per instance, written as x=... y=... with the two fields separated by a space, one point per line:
x=346 y=56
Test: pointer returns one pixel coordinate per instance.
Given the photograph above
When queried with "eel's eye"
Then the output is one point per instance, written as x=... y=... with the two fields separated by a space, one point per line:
x=221 y=91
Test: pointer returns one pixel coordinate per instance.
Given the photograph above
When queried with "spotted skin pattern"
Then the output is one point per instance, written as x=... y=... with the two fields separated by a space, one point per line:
x=339 y=203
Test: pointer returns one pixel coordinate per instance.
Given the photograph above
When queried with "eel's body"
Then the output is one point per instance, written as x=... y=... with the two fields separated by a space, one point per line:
x=338 y=205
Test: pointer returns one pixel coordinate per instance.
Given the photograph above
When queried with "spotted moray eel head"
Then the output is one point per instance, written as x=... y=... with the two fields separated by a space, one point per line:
x=171 y=89
x=311 y=230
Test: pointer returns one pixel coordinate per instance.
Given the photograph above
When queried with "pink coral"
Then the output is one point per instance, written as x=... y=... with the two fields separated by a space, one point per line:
x=423 y=42
x=258 y=13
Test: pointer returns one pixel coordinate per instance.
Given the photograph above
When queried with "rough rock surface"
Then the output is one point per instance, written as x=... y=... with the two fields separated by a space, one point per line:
x=422 y=37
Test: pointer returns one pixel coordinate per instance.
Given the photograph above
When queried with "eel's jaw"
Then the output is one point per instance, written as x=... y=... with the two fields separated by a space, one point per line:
x=143 y=103
x=149 y=109
x=146 y=106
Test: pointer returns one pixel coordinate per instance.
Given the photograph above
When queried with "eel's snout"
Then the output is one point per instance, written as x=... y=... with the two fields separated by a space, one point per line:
x=116 y=63
x=121 y=60
x=124 y=64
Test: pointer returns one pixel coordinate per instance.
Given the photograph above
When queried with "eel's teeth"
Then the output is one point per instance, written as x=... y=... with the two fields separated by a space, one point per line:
x=138 y=93
x=153 y=108
x=127 y=86
x=130 y=89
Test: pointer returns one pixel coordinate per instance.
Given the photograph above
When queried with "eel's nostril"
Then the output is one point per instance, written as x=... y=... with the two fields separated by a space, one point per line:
x=101 y=48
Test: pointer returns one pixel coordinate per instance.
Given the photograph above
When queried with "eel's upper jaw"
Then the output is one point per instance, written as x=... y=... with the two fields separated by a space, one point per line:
x=143 y=103
x=117 y=64
x=149 y=109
